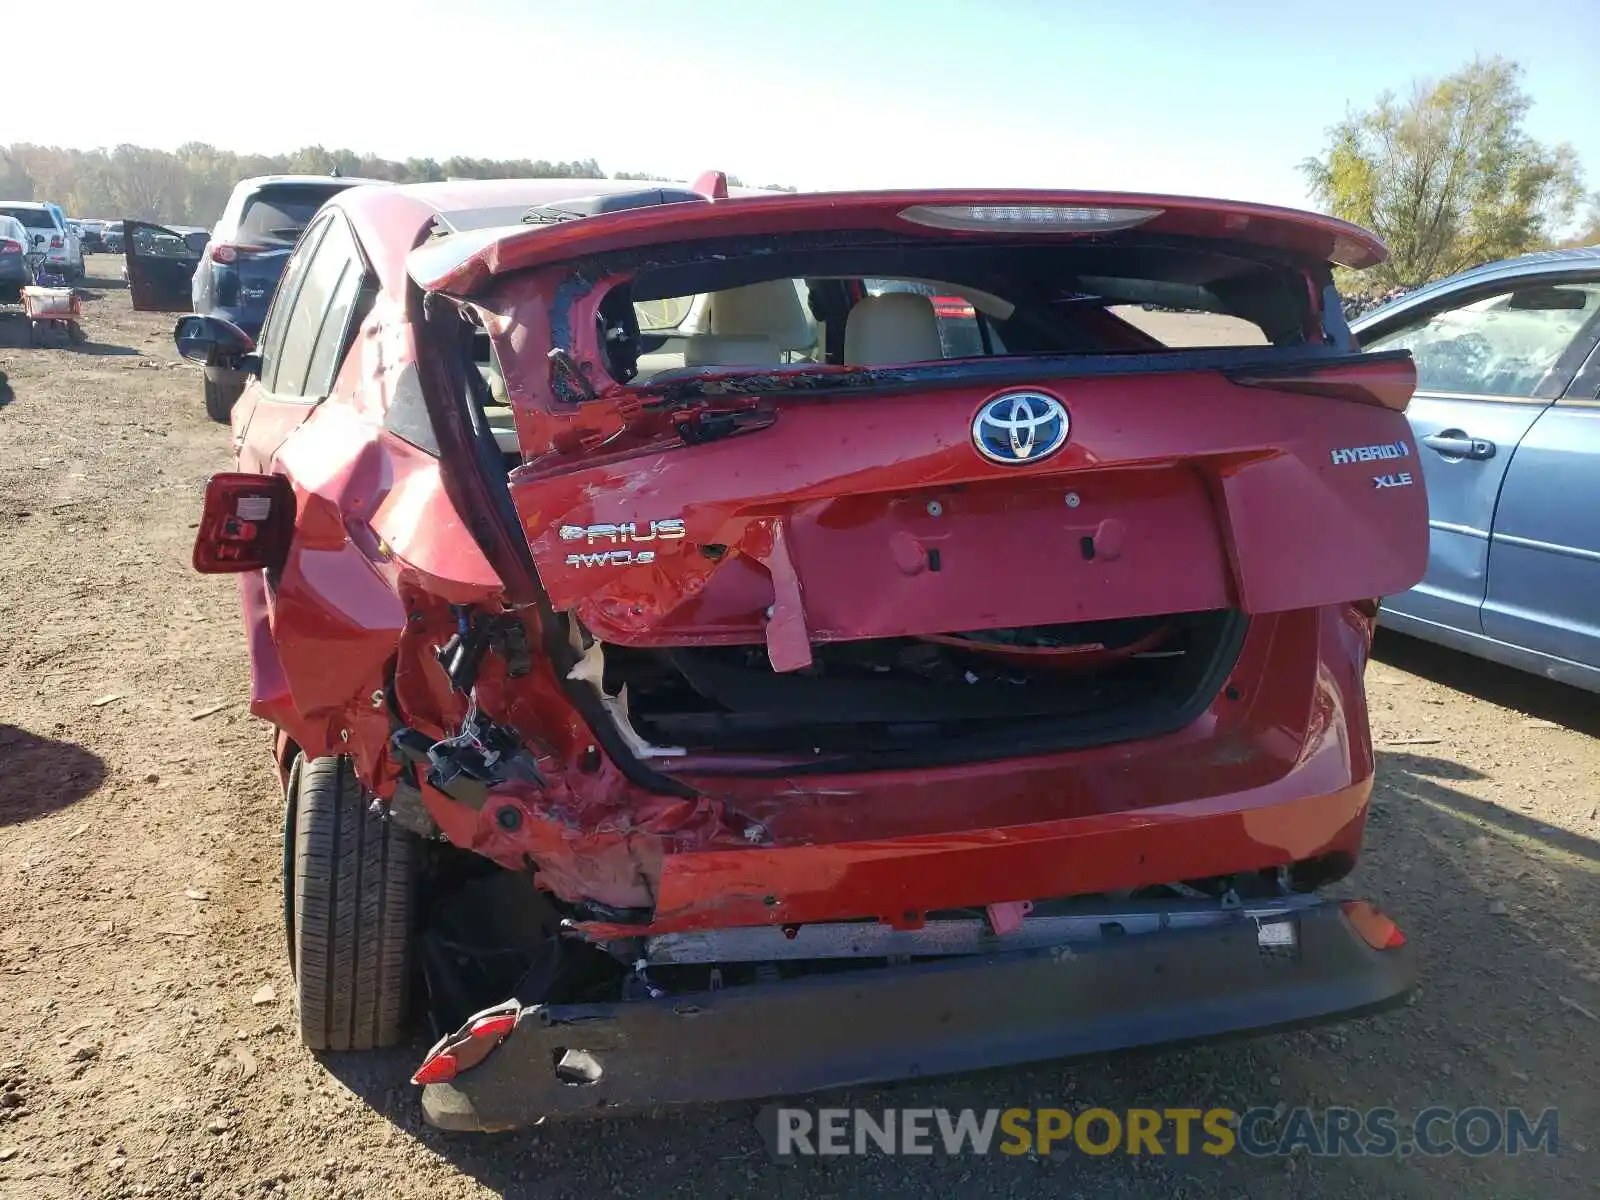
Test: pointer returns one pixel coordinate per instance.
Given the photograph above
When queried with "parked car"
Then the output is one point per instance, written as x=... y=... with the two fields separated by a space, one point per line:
x=766 y=701
x=1507 y=424
x=48 y=233
x=112 y=235
x=15 y=273
x=92 y=235
x=235 y=273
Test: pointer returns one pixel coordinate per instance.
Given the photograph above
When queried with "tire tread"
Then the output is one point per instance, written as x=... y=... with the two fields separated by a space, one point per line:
x=353 y=897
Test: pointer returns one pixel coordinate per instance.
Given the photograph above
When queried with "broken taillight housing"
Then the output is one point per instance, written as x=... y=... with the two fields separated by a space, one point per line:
x=246 y=524
x=465 y=1049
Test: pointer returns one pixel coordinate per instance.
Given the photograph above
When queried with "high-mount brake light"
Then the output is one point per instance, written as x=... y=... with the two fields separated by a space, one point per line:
x=246 y=524
x=1042 y=218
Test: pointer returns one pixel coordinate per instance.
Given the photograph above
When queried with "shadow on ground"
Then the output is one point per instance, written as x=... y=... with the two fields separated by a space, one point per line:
x=1571 y=707
x=39 y=775
x=1499 y=911
x=14 y=336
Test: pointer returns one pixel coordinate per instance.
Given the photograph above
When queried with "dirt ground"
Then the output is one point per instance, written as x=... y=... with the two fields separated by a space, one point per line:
x=145 y=1001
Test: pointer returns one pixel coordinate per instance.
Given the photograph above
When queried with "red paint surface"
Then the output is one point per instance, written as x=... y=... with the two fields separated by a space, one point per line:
x=1207 y=494
x=1196 y=486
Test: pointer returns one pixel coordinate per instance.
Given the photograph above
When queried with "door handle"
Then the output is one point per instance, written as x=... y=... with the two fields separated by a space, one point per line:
x=1453 y=443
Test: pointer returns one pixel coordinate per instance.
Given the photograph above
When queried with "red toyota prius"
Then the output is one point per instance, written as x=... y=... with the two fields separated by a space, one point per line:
x=730 y=645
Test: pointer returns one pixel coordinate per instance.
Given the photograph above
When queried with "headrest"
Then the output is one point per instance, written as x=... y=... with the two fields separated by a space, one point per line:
x=711 y=350
x=771 y=310
x=896 y=327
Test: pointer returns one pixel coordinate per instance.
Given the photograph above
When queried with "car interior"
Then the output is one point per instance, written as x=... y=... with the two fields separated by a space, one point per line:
x=775 y=323
x=683 y=317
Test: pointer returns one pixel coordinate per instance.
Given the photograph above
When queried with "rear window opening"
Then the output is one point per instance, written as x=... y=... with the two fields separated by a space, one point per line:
x=690 y=310
x=956 y=696
x=33 y=218
x=278 y=215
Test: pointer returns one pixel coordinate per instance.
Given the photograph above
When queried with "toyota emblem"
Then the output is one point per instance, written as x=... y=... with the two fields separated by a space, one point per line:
x=1020 y=427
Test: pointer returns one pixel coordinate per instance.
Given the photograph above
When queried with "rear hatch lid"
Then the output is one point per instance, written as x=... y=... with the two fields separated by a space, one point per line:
x=1068 y=468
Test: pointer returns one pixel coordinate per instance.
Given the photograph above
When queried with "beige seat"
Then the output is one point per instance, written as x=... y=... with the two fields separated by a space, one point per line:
x=501 y=421
x=896 y=327
x=504 y=427
x=715 y=350
x=770 y=310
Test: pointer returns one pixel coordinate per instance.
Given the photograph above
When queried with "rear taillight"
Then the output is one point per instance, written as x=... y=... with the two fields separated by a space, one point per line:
x=246 y=524
x=953 y=308
x=465 y=1049
x=55 y=242
x=1375 y=929
x=226 y=253
x=7 y=246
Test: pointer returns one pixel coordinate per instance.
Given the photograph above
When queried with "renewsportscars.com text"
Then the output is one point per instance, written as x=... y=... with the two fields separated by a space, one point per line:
x=1258 y=1132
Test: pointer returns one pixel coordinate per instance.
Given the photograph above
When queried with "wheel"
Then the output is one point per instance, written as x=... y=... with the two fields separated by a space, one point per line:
x=222 y=392
x=354 y=891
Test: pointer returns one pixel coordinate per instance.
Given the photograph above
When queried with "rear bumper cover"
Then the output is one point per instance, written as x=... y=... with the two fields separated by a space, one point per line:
x=926 y=1018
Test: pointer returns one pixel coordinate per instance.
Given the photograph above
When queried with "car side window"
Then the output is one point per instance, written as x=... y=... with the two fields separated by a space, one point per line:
x=352 y=298
x=283 y=303
x=1502 y=345
x=315 y=332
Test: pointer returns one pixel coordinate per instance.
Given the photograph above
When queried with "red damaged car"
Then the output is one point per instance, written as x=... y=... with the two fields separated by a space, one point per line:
x=722 y=646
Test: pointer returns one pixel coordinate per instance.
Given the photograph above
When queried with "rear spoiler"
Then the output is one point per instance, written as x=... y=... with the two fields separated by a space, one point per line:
x=464 y=263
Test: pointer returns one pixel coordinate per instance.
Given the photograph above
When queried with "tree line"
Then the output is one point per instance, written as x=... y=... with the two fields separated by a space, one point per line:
x=1449 y=178
x=190 y=185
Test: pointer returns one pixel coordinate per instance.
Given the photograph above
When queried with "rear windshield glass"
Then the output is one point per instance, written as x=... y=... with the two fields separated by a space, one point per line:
x=839 y=306
x=33 y=218
x=278 y=215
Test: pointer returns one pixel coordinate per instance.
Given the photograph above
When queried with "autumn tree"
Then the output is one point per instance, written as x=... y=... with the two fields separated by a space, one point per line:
x=1448 y=178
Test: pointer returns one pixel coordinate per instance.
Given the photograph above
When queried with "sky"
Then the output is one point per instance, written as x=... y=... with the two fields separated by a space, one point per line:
x=1205 y=97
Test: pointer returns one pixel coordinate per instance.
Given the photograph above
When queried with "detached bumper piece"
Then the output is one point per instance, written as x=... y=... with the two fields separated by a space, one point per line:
x=1324 y=961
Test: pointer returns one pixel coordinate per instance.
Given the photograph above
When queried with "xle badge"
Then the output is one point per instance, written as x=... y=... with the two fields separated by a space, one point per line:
x=1403 y=479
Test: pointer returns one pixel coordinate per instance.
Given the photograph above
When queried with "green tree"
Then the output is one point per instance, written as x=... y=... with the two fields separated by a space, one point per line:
x=1447 y=178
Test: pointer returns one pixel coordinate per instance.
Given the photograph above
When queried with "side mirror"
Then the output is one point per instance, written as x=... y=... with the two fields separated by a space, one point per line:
x=216 y=343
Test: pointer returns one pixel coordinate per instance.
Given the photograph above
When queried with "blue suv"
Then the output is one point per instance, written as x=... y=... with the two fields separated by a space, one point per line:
x=236 y=272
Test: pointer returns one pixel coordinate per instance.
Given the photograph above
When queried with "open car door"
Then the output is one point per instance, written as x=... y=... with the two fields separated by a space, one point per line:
x=161 y=265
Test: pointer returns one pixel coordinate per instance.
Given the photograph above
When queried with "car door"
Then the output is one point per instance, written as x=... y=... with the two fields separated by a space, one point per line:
x=283 y=426
x=1544 y=550
x=161 y=263
x=324 y=287
x=1484 y=374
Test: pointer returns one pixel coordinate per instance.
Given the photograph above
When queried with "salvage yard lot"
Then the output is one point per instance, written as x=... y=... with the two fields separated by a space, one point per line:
x=146 y=1044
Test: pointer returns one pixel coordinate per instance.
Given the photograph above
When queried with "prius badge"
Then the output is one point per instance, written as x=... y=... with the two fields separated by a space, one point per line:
x=1020 y=427
x=626 y=534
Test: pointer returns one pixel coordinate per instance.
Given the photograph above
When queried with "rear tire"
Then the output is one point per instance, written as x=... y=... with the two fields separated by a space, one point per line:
x=222 y=392
x=354 y=893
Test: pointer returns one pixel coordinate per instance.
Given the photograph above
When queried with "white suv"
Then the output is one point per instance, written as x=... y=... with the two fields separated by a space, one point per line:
x=60 y=246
